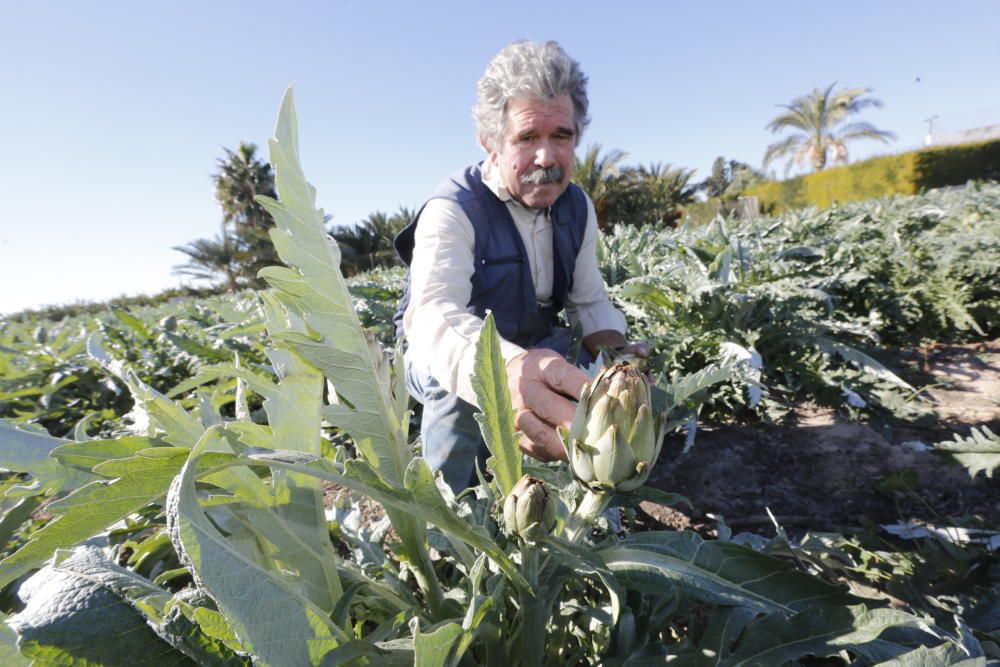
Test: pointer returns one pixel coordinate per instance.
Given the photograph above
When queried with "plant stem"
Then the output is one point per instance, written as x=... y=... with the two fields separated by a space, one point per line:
x=591 y=507
x=413 y=537
x=533 y=617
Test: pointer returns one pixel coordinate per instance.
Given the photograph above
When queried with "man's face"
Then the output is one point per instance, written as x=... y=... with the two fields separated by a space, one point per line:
x=535 y=156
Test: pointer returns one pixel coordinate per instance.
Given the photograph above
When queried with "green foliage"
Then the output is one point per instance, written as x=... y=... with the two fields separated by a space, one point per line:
x=368 y=244
x=822 y=130
x=980 y=451
x=906 y=173
x=497 y=419
x=224 y=505
x=51 y=380
x=243 y=247
x=632 y=195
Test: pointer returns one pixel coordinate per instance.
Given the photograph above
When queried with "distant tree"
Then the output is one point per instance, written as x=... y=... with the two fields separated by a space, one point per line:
x=822 y=130
x=729 y=178
x=368 y=244
x=208 y=259
x=243 y=246
x=632 y=195
x=240 y=178
x=663 y=190
x=599 y=176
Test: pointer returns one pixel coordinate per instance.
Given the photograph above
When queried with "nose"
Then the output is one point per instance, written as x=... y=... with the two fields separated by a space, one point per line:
x=544 y=155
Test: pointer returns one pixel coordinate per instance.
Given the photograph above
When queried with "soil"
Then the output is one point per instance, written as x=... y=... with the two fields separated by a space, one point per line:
x=822 y=472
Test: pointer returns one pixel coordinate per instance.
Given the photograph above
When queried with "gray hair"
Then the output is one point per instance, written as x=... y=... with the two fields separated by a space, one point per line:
x=528 y=69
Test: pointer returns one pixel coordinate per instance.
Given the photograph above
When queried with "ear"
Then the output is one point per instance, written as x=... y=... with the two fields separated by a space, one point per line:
x=484 y=144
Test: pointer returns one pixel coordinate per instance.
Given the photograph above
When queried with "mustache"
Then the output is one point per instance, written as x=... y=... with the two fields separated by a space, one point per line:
x=543 y=175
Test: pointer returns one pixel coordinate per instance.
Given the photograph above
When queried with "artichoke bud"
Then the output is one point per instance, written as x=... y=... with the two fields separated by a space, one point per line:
x=615 y=437
x=41 y=335
x=529 y=510
x=169 y=323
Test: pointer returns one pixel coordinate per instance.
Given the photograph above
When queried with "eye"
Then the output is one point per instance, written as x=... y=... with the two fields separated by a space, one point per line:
x=563 y=136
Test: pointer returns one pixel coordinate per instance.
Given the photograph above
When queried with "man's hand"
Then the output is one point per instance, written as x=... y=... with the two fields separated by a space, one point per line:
x=543 y=387
x=614 y=340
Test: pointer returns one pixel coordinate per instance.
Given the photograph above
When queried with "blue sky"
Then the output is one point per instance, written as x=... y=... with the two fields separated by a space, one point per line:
x=114 y=113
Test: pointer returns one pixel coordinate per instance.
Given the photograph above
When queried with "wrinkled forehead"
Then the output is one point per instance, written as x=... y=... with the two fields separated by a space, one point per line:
x=522 y=111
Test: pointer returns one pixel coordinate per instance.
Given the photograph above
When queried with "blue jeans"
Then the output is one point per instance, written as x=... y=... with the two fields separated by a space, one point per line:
x=450 y=433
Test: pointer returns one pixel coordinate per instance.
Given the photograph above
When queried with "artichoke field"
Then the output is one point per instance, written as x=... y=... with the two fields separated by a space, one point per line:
x=202 y=534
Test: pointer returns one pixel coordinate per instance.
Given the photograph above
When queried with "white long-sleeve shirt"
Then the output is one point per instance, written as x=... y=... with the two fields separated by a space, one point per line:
x=442 y=330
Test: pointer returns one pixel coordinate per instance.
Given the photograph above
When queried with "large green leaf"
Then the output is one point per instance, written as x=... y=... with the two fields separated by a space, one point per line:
x=717 y=572
x=76 y=607
x=86 y=455
x=139 y=481
x=777 y=639
x=293 y=407
x=420 y=498
x=312 y=313
x=943 y=655
x=272 y=619
x=321 y=321
x=435 y=649
x=29 y=451
x=496 y=420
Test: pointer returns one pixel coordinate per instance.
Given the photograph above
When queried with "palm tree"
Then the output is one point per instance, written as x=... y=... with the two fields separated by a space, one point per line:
x=368 y=244
x=820 y=119
x=598 y=176
x=210 y=258
x=241 y=177
x=664 y=190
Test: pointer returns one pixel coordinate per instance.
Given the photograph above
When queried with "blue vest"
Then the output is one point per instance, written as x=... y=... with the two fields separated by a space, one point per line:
x=502 y=279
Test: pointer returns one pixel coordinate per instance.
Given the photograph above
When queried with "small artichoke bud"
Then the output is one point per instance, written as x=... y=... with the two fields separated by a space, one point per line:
x=614 y=438
x=41 y=335
x=529 y=510
x=169 y=323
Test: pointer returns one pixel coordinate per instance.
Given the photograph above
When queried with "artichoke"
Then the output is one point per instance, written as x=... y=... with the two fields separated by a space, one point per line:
x=169 y=323
x=614 y=438
x=529 y=510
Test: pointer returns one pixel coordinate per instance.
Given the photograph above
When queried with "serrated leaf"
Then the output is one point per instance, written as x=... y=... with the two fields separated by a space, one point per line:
x=311 y=312
x=332 y=337
x=132 y=322
x=979 y=451
x=30 y=452
x=164 y=417
x=143 y=479
x=496 y=419
x=86 y=455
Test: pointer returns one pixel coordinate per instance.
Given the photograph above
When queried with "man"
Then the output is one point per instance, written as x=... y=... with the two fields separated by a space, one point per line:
x=510 y=235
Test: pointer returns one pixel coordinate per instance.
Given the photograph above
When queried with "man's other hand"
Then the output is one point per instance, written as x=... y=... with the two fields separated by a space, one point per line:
x=543 y=388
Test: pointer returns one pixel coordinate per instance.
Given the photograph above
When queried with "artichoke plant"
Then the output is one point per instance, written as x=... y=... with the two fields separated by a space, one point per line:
x=529 y=510
x=615 y=438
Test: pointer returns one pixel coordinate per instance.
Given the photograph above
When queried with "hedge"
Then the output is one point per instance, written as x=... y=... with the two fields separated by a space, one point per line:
x=907 y=173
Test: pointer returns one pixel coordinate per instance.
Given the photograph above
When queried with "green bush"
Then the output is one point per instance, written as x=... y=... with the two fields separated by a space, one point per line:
x=908 y=173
